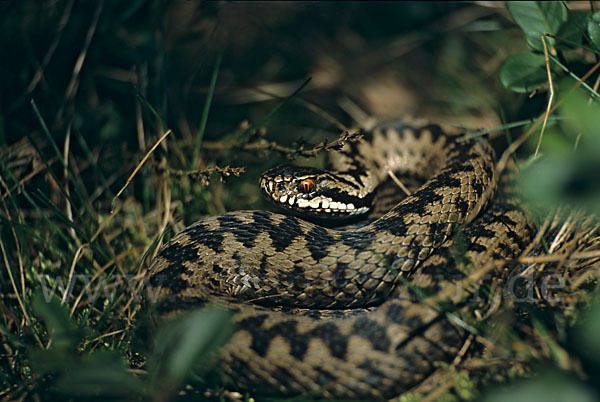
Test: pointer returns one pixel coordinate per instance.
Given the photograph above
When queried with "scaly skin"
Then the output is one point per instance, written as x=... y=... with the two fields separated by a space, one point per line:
x=254 y=261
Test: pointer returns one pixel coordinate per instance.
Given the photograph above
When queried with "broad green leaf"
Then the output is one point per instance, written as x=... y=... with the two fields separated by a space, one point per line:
x=571 y=31
x=593 y=28
x=63 y=332
x=581 y=114
x=551 y=387
x=186 y=344
x=587 y=334
x=536 y=18
x=101 y=374
x=565 y=176
x=544 y=181
x=100 y=381
x=523 y=72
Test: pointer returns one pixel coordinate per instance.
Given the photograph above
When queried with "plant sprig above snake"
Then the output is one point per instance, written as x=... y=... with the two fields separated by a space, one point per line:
x=341 y=312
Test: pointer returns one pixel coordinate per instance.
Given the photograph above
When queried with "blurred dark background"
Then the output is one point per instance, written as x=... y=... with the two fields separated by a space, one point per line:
x=82 y=63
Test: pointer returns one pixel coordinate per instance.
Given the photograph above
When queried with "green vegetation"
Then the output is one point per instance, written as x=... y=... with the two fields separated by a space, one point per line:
x=88 y=88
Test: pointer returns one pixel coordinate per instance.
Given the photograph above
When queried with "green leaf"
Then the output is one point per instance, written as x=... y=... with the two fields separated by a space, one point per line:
x=536 y=18
x=587 y=340
x=101 y=374
x=553 y=386
x=582 y=115
x=571 y=31
x=187 y=343
x=62 y=331
x=523 y=72
x=565 y=176
x=593 y=28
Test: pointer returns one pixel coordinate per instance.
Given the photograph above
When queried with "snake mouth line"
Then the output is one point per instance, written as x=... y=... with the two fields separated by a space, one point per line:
x=306 y=202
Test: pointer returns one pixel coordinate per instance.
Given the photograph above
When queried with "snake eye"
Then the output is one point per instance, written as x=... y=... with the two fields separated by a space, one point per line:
x=306 y=186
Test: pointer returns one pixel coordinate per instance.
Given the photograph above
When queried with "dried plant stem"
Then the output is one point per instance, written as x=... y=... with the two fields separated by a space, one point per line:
x=519 y=141
x=537 y=148
x=137 y=168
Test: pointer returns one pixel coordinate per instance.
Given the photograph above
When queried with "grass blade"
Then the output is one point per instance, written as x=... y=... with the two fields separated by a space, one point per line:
x=209 y=96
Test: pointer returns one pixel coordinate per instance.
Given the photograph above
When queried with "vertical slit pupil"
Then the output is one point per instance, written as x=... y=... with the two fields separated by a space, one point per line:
x=307 y=185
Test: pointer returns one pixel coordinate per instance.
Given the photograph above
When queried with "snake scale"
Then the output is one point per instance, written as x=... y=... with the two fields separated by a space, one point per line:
x=343 y=313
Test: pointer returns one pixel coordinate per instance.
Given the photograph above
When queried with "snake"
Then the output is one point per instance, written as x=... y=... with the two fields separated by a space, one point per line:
x=346 y=312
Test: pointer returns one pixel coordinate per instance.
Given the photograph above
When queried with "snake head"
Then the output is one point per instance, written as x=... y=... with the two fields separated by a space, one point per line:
x=312 y=192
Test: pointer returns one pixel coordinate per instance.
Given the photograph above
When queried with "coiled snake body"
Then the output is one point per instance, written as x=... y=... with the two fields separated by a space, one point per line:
x=352 y=321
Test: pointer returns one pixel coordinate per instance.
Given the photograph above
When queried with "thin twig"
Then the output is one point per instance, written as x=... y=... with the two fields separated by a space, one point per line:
x=537 y=148
x=398 y=182
x=205 y=110
x=204 y=174
x=294 y=152
x=99 y=271
x=139 y=121
x=39 y=74
x=73 y=83
x=70 y=92
x=582 y=255
x=17 y=243
x=519 y=141
x=167 y=210
x=117 y=332
x=105 y=222
x=14 y=286
x=319 y=111
x=137 y=168
x=353 y=110
x=68 y=207
x=76 y=258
